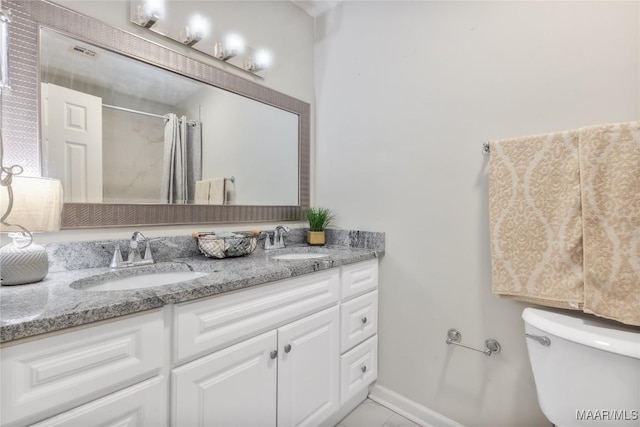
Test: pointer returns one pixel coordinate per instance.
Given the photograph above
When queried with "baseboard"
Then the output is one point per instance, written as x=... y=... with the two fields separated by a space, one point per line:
x=409 y=409
x=345 y=408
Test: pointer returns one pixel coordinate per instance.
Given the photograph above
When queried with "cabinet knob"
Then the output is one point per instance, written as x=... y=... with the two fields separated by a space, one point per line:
x=364 y=369
x=274 y=354
x=287 y=348
x=364 y=320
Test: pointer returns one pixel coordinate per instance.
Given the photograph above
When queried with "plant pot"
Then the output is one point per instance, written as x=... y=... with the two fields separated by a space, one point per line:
x=315 y=238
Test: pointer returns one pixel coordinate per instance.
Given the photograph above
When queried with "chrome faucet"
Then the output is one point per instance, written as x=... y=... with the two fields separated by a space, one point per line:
x=278 y=238
x=134 y=258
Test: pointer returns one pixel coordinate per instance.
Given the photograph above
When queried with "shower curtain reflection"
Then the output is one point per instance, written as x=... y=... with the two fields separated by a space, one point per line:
x=177 y=171
x=174 y=166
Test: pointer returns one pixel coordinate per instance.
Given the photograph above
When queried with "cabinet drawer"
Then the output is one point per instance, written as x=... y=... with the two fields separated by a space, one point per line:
x=47 y=376
x=141 y=405
x=207 y=325
x=358 y=320
x=359 y=278
x=358 y=369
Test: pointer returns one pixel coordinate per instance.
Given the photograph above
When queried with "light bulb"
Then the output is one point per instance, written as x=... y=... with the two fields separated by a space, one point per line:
x=263 y=59
x=199 y=26
x=260 y=61
x=154 y=7
x=234 y=45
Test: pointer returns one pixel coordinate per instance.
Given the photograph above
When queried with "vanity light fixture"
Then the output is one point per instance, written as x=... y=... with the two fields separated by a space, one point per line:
x=261 y=60
x=150 y=20
x=232 y=46
x=188 y=38
x=148 y=13
x=147 y=21
x=231 y=50
x=194 y=32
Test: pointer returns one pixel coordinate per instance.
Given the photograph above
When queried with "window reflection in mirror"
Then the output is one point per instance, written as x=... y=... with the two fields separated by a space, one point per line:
x=106 y=135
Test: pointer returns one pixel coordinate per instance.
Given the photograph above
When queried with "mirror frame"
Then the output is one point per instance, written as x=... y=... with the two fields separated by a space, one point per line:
x=21 y=106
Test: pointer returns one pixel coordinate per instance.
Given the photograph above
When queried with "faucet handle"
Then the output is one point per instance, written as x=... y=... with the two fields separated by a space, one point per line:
x=148 y=256
x=134 y=252
x=267 y=239
x=116 y=259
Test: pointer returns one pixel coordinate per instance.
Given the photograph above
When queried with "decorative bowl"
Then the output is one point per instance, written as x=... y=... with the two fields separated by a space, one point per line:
x=214 y=246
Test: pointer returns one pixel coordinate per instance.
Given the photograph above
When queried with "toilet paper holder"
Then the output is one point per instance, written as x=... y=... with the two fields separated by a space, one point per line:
x=490 y=346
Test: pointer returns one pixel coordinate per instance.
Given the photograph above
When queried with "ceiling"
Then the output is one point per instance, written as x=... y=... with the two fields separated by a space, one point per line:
x=99 y=72
x=315 y=7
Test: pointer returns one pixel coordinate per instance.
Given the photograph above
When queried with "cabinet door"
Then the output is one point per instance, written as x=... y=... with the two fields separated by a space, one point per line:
x=232 y=387
x=308 y=369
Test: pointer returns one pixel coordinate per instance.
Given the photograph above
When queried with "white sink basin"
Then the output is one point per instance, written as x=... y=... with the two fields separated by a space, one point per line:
x=307 y=255
x=145 y=281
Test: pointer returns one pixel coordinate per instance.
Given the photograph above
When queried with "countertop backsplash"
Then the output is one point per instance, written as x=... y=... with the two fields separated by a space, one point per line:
x=69 y=256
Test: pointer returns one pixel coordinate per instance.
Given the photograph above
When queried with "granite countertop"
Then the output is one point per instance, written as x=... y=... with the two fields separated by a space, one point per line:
x=64 y=299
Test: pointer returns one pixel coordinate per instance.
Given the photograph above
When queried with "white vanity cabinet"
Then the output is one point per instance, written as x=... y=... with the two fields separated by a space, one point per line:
x=295 y=352
x=43 y=377
x=286 y=376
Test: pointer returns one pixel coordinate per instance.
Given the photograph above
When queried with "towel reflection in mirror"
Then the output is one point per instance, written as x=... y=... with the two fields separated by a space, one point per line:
x=215 y=191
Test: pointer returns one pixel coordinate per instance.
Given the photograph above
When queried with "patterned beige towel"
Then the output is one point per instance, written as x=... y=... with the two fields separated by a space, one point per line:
x=535 y=219
x=610 y=171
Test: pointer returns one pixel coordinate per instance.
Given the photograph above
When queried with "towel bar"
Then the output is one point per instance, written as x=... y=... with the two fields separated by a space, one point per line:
x=490 y=346
x=486 y=148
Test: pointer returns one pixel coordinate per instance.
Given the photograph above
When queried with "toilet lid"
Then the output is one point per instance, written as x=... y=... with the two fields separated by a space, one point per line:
x=588 y=330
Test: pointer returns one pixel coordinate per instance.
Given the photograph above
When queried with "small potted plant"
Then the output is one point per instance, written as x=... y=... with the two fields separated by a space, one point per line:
x=319 y=219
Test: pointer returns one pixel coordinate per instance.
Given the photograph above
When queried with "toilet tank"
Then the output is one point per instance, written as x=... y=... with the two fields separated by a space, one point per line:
x=589 y=374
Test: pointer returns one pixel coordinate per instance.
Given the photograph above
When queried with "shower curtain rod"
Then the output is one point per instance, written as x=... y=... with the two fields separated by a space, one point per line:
x=140 y=112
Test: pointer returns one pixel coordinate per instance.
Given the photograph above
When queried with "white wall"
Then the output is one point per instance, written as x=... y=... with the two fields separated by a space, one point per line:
x=406 y=94
x=278 y=25
x=260 y=152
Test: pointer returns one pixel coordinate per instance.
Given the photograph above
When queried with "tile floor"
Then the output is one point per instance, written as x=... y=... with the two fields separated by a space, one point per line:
x=372 y=414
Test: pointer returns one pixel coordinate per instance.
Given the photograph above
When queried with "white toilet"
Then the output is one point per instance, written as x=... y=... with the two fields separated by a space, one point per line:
x=586 y=370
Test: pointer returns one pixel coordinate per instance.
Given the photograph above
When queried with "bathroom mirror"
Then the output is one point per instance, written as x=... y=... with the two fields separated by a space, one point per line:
x=252 y=144
x=289 y=195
